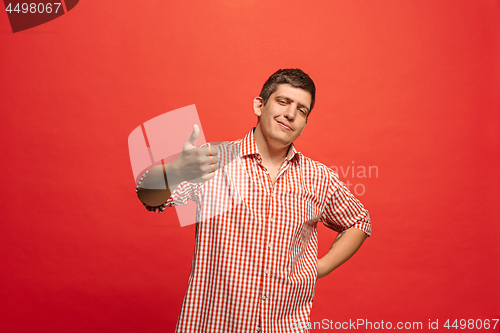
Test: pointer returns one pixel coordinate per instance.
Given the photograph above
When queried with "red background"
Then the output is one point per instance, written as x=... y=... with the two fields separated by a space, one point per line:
x=411 y=87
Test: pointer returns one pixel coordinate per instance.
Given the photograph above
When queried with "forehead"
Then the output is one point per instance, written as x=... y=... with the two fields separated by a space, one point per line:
x=298 y=95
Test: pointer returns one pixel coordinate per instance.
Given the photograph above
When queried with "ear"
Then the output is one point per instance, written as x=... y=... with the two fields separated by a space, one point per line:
x=258 y=103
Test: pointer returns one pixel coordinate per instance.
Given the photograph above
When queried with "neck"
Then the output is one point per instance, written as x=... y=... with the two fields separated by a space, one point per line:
x=270 y=151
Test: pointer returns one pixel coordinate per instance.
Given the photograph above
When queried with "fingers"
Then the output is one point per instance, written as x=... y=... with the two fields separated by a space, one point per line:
x=198 y=164
x=211 y=151
x=210 y=164
x=209 y=172
x=206 y=177
x=213 y=167
x=191 y=142
x=212 y=159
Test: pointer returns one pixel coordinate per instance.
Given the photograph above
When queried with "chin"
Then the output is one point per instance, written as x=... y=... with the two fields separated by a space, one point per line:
x=284 y=140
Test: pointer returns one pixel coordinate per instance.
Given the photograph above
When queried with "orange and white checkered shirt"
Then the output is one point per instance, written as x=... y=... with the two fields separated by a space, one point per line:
x=255 y=260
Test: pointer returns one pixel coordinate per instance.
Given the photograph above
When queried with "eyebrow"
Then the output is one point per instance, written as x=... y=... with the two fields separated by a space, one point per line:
x=291 y=100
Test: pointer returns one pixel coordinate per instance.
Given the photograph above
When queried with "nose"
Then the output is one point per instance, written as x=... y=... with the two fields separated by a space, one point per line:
x=291 y=112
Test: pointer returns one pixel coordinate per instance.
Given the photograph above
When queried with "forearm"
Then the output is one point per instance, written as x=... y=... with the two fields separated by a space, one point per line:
x=344 y=247
x=156 y=187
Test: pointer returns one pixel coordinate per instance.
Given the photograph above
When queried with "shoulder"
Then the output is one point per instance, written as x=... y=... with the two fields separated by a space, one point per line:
x=315 y=166
x=318 y=170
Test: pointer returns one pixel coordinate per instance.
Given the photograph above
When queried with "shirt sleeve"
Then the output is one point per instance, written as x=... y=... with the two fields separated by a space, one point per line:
x=343 y=210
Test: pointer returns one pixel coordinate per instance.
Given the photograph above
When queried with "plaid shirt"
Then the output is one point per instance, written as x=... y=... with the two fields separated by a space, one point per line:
x=255 y=260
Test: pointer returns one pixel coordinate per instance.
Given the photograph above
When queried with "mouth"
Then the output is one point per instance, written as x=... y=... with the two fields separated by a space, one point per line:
x=284 y=126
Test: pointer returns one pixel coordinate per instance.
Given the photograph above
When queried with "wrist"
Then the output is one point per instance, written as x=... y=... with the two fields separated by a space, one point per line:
x=172 y=174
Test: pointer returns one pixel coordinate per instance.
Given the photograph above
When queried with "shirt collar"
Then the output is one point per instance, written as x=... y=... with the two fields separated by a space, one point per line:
x=249 y=147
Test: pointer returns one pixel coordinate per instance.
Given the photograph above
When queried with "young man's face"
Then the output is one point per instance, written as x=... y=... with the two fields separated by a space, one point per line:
x=284 y=116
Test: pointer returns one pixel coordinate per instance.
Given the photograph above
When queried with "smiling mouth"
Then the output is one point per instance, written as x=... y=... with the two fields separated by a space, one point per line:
x=284 y=126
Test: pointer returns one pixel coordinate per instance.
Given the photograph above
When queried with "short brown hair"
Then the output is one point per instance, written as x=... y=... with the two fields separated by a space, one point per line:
x=292 y=76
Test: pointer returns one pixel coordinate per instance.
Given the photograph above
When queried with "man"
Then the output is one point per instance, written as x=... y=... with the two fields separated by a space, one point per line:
x=258 y=202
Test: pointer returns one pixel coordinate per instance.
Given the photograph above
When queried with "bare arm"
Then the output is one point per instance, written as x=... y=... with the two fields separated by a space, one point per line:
x=154 y=190
x=344 y=247
x=194 y=164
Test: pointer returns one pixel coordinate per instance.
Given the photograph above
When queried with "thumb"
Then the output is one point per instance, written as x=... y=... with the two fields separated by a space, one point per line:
x=191 y=142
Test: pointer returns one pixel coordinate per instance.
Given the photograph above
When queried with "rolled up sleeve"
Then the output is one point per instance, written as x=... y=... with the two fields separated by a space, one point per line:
x=343 y=210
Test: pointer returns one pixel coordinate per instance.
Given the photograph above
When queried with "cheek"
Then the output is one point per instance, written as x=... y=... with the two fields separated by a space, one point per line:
x=268 y=116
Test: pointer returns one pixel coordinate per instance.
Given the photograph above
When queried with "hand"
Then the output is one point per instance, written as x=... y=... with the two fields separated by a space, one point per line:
x=195 y=165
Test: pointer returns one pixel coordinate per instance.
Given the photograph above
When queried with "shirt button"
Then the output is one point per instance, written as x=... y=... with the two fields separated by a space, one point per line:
x=258 y=329
x=264 y=297
x=269 y=245
x=271 y=220
x=266 y=272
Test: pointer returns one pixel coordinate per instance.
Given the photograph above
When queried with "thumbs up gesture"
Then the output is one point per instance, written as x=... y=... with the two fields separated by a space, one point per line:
x=196 y=165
